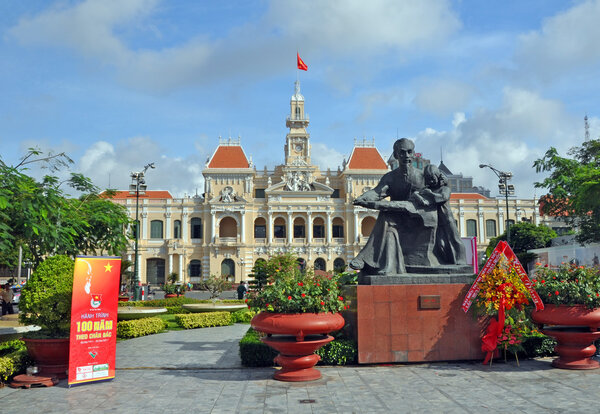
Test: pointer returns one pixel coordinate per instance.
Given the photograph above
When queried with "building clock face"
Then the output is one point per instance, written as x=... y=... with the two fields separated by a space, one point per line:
x=298 y=148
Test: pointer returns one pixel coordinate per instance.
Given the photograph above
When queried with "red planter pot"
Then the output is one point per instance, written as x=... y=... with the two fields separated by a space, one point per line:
x=297 y=337
x=170 y=295
x=575 y=329
x=123 y=298
x=50 y=355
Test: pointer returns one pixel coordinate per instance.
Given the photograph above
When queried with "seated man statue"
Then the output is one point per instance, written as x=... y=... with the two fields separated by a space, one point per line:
x=407 y=226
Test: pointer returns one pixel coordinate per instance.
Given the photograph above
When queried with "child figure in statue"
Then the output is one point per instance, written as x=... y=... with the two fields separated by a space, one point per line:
x=449 y=248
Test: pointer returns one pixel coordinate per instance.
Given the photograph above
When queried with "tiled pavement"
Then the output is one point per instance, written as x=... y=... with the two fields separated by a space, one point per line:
x=198 y=371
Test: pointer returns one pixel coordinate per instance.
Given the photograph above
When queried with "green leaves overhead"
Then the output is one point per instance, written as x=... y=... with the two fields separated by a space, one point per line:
x=40 y=217
x=573 y=188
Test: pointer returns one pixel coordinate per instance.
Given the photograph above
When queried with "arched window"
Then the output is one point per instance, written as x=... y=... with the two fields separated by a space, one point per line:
x=318 y=228
x=279 y=228
x=228 y=227
x=471 y=228
x=177 y=229
x=339 y=265
x=490 y=228
x=156 y=229
x=298 y=113
x=195 y=268
x=320 y=264
x=196 y=227
x=228 y=269
x=299 y=228
x=260 y=228
x=337 y=228
x=367 y=225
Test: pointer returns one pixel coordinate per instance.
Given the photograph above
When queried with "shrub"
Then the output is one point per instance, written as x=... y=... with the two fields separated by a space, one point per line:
x=242 y=316
x=13 y=358
x=339 y=352
x=176 y=310
x=46 y=298
x=203 y=320
x=253 y=352
x=140 y=327
x=161 y=303
x=536 y=344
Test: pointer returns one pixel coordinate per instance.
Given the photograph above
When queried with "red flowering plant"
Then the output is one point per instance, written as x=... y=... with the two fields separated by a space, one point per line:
x=502 y=293
x=568 y=284
x=289 y=289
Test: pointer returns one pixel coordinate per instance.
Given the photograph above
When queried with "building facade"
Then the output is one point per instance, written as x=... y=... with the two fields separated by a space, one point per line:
x=246 y=214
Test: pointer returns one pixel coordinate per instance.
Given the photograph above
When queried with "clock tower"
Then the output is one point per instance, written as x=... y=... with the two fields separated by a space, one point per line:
x=297 y=144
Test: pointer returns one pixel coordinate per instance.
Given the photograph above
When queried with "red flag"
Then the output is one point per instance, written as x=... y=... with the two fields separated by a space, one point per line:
x=301 y=64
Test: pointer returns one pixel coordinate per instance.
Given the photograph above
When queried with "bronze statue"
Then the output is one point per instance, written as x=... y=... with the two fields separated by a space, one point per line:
x=415 y=226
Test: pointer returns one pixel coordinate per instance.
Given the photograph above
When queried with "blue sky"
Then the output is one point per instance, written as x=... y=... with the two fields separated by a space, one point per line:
x=118 y=84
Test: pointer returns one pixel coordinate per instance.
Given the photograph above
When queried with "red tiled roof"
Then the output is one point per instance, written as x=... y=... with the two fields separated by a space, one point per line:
x=467 y=196
x=229 y=156
x=366 y=158
x=121 y=195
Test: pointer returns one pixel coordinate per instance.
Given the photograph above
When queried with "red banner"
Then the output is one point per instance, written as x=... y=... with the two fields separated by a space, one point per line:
x=502 y=249
x=94 y=319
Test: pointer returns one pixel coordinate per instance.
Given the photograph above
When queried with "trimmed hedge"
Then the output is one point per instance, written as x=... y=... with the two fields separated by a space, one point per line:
x=203 y=320
x=139 y=327
x=161 y=303
x=254 y=353
x=13 y=359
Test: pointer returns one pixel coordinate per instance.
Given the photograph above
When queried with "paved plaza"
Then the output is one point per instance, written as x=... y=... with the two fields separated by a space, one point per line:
x=199 y=371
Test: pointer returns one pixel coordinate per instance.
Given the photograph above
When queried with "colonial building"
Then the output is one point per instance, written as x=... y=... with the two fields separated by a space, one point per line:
x=246 y=214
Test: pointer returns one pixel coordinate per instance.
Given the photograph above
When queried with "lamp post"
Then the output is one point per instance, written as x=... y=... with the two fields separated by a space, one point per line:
x=138 y=184
x=505 y=190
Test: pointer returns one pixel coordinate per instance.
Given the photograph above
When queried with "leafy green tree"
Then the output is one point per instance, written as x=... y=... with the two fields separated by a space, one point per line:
x=524 y=236
x=573 y=188
x=41 y=218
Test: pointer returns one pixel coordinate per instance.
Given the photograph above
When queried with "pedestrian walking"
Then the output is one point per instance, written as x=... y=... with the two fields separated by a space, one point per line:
x=7 y=296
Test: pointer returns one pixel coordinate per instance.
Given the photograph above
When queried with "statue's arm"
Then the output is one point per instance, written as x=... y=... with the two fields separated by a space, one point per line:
x=378 y=193
x=439 y=196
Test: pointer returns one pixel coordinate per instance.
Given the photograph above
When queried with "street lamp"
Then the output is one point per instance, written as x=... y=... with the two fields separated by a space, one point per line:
x=137 y=186
x=505 y=189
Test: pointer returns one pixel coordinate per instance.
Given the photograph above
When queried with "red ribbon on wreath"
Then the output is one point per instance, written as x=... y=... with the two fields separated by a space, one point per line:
x=489 y=341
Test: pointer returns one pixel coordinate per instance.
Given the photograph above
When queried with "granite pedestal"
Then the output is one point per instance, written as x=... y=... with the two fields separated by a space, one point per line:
x=416 y=317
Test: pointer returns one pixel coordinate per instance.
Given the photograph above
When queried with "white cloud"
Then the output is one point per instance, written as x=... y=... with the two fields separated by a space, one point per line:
x=108 y=164
x=325 y=157
x=509 y=137
x=566 y=41
x=443 y=97
x=352 y=29
x=351 y=26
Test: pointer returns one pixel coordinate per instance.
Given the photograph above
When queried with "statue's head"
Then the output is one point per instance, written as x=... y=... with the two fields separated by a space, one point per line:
x=404 y=151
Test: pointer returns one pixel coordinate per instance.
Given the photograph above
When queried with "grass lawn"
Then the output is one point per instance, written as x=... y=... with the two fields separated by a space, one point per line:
x=170 y=321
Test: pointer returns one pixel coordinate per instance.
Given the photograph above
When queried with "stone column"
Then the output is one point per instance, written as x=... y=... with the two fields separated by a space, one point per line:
x=243 y=227
x=168 y=225
x=356 y=234
x=481 y=233
x=501 y=221
x=144 y=226
x=328 y=235
x=270 y=227
x=171 y=263
x=461 y=218
x=309 y=232
x=185 y=228
x=180 y=267
x=213 y=224
x=290 y=228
